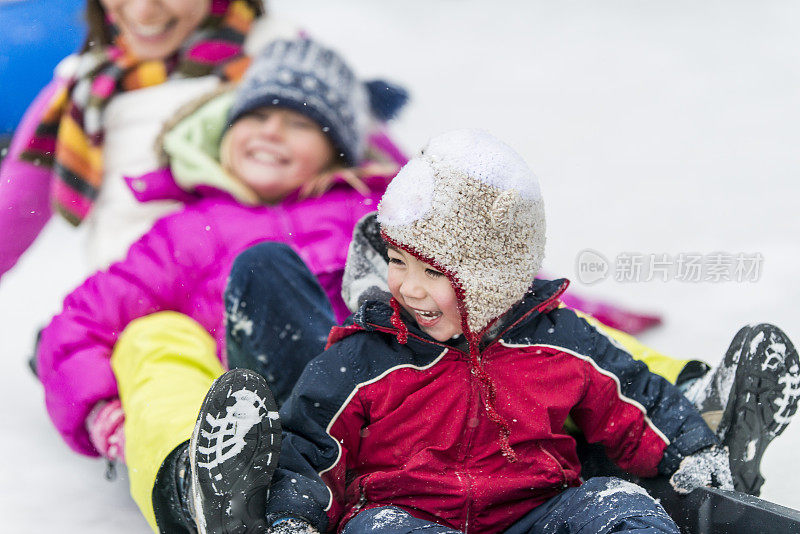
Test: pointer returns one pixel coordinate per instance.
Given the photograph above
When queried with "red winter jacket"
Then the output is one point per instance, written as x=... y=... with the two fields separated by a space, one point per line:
x=375 y=422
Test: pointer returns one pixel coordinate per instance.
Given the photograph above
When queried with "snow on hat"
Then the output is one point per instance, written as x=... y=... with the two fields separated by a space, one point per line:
x=469 y=205
x=311 y=79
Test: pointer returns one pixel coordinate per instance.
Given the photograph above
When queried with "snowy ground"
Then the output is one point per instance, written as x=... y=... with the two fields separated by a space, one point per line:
x=655 y=127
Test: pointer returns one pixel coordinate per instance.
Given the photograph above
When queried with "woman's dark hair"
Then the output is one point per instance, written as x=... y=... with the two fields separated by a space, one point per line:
x=99 y=35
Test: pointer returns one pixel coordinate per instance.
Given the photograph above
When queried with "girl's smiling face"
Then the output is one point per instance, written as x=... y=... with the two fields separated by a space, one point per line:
x=275 y=151
x=425 y=293
x=154 y=29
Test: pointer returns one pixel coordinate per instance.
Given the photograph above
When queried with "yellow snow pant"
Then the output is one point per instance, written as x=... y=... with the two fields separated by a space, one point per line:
x=165 y=364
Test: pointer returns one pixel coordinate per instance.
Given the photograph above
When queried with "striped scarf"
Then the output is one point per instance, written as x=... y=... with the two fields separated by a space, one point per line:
x=69 y=139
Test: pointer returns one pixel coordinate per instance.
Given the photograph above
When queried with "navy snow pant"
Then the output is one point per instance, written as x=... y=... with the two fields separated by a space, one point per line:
x=277 y=316
x=599 y=506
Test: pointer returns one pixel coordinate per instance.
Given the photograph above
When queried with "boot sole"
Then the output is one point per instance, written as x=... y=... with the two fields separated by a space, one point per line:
x=233 y=454
x=766 y=393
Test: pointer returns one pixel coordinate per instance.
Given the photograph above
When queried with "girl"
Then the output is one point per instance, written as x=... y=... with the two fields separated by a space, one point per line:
x=247 y=164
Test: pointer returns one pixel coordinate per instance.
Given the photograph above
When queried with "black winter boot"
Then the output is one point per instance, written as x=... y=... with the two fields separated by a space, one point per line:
x=171 y=493
x=233 y=453
x=750 y=397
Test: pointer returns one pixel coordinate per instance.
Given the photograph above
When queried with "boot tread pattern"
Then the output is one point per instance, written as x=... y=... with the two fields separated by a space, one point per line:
x=763 y=399
x=234 y=451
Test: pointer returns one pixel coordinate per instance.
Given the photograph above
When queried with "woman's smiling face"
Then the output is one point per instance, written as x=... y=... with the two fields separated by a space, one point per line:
x=154 y=29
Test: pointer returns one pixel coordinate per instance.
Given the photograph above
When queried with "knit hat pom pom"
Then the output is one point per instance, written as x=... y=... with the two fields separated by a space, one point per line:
x=385 y=98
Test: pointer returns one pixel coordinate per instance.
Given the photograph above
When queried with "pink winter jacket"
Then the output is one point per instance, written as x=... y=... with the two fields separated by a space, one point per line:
x=24 y=187
x=182 y=264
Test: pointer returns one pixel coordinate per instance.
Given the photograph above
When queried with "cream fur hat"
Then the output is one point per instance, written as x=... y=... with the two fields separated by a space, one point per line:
x=469 y=205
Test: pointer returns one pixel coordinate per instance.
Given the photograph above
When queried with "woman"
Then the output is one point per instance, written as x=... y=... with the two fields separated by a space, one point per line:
x=96 y=122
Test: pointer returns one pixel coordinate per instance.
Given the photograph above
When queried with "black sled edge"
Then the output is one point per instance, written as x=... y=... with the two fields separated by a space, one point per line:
x=716 y=511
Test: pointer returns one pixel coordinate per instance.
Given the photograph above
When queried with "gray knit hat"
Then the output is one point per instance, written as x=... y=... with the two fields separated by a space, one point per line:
x=470 y=205
x=308 y=78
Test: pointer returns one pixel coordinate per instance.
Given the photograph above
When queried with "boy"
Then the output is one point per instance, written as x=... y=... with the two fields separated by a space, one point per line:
x=748 y=399
x=444 y=408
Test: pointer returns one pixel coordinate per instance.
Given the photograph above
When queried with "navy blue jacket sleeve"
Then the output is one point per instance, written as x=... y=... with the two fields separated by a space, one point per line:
x=309 y=481
x=666 y=407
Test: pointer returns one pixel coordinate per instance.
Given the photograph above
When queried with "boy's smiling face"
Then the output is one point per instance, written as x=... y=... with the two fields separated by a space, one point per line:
x=425 y=293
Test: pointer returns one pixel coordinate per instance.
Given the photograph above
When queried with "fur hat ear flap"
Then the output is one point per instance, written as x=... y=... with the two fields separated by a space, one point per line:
x=504 y=210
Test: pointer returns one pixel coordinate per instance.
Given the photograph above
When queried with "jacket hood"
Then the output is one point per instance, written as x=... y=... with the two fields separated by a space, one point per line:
x=367 y=265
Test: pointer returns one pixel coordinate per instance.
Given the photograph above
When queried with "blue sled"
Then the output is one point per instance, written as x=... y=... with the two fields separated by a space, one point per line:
x=34 y=36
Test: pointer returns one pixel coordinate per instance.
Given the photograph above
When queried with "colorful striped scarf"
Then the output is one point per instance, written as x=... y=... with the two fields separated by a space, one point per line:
x=69 y=139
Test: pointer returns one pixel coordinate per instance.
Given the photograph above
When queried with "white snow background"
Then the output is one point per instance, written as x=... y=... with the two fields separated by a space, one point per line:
x=654 y=127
